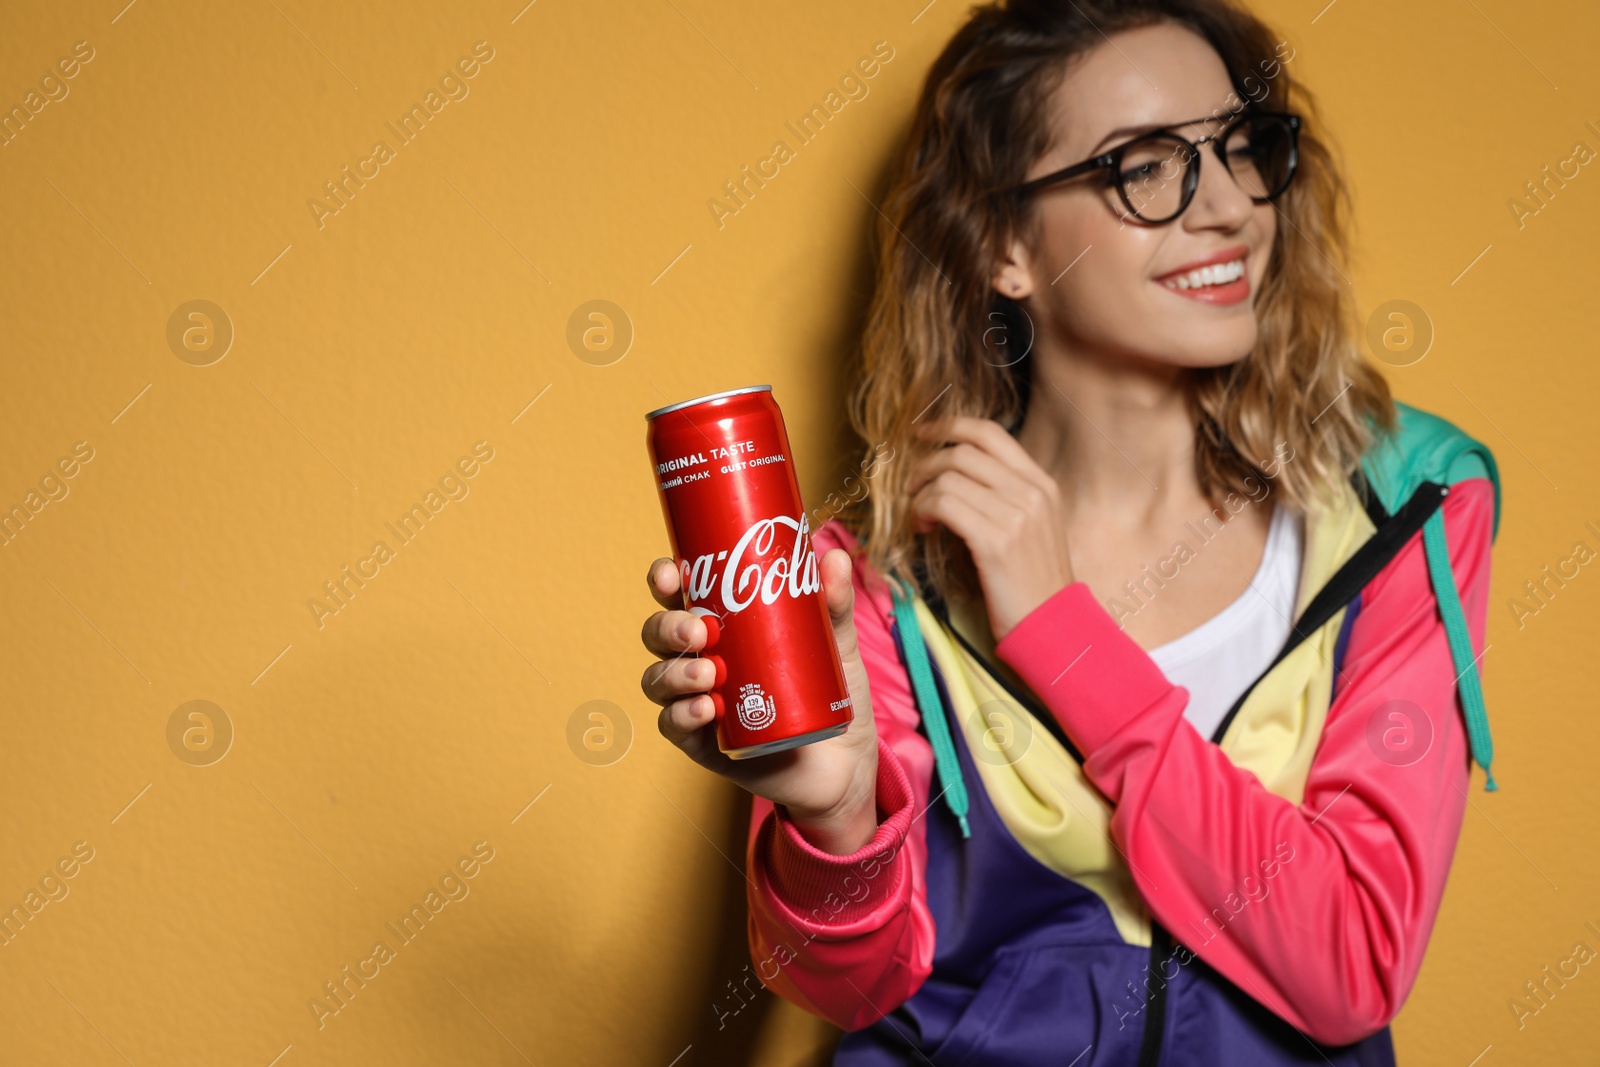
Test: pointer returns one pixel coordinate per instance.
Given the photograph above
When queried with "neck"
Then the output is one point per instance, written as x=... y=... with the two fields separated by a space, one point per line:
x=1116 y=433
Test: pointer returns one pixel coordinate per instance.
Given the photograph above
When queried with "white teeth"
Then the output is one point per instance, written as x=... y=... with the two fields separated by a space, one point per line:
x=1215 y=274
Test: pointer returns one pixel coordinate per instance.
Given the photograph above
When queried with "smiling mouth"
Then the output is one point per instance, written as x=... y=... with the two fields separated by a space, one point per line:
x=1216 y=274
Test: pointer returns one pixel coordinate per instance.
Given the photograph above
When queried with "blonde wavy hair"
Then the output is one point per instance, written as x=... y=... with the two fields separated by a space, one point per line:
x=980 y=122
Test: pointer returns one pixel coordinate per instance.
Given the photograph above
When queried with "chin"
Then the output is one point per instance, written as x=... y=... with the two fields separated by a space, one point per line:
x=1218 y=356
x=1203 y=344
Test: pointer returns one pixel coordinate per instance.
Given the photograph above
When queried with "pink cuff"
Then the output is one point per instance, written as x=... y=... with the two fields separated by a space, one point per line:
x=1067 y=649
x=826 y=890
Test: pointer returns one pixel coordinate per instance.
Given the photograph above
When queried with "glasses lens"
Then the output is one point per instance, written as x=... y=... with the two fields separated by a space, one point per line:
x=1260 y=153
x=1155 y=176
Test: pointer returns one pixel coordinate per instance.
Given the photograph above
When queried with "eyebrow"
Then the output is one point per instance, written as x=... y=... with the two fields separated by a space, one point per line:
x=1134 y=131
x=1124 y=131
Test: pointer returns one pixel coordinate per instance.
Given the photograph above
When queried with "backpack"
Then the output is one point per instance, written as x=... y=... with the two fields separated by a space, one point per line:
x=1422 y=451
x=1426 y=448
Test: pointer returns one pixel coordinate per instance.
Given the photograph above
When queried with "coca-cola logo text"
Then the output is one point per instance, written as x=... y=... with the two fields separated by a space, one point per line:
x=752 y=569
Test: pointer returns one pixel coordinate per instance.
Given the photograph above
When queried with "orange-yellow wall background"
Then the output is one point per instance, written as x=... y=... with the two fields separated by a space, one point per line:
x=372 y=349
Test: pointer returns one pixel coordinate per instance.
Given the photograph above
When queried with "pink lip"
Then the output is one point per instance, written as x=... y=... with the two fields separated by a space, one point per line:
x=1232 y=293
x=1223 y=256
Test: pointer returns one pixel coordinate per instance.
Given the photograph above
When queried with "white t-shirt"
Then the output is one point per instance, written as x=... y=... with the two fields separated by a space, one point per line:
x=1222 y=656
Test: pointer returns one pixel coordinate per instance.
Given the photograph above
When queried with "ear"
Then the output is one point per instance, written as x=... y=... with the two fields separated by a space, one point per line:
x=1013 y=274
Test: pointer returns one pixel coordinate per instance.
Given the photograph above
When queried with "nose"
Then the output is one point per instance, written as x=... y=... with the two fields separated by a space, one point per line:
x=1219 y=203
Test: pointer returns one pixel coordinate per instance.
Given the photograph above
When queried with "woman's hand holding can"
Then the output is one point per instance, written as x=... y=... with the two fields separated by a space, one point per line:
x=828 y=788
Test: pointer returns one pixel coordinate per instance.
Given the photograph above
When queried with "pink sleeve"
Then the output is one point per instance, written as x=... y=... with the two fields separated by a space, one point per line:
x=850 y=938
x=1335 y=897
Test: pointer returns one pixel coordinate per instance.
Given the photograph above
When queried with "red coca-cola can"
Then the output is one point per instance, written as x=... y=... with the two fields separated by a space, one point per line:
x=742 y=542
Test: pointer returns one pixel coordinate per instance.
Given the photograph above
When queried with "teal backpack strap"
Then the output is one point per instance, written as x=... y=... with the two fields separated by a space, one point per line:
x=1455 y=627
x=1425 y=447
x=932 y=708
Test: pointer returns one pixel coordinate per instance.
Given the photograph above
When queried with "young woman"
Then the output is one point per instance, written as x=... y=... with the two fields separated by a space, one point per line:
x=1158 y=609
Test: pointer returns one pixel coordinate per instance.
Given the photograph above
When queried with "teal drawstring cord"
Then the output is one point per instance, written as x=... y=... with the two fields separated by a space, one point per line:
x=1455 y=627
x=921 y=671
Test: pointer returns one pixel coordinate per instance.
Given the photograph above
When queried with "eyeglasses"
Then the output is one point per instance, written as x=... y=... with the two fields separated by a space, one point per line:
x=1157 y=173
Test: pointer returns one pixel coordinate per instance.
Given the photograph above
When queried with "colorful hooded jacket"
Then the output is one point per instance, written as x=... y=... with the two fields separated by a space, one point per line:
x=1065 y=871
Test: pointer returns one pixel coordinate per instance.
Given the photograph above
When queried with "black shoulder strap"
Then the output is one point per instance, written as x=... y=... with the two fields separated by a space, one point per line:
x=936 y=604
x=1386 y=543
x=1369 y=498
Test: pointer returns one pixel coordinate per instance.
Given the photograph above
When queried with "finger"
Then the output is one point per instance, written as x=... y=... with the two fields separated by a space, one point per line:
x=992 y=438
x=1018 y=495
x=838 y=588
x=663 y=580
x=987 y=435
x=673 y=633
x=970 y=460
x=996 y=506
x=672 y=679
x=692 y=727
x=682 y=719
x=961 y=504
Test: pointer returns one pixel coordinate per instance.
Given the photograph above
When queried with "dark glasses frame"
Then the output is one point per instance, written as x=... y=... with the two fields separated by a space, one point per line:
x=1111 y=161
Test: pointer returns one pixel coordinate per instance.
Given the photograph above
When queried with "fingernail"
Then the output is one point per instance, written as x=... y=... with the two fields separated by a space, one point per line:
x=682 y=631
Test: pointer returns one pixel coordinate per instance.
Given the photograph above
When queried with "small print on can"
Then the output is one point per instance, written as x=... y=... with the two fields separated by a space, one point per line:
x=742 y=541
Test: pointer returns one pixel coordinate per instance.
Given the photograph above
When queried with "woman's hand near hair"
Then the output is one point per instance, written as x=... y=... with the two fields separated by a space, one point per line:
x=990 y=493
x=829 y=788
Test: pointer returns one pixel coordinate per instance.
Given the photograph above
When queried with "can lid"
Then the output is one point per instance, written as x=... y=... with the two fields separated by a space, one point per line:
x=704 y=399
